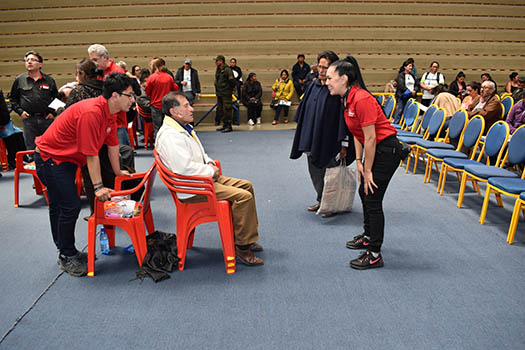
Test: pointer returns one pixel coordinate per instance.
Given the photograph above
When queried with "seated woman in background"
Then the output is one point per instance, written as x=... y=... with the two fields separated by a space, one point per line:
x=251 y=98
x=458 y=87
x=473 y=89
x=283 y=91
x=512 y=84
x=516 y=117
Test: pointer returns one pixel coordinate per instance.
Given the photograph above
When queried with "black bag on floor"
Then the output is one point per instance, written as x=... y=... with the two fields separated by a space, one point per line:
x=161 y=256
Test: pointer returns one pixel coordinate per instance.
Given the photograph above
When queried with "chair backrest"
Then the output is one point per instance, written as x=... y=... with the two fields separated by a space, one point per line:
x=389 y=107
x=150 y=178
x=495 y=141
x=380 y=99
x=411 y=115
x=436 y=123
x=472 y=134
x=196 y=185
x=457 y=124
x=516 y=151
x=426 y=117
x=507 y=103
x=143 y=113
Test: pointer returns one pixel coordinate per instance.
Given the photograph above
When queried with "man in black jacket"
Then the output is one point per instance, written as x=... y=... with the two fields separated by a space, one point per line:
x=224 y=84
x=31 y=94
x=188 y=80
x=299 y=72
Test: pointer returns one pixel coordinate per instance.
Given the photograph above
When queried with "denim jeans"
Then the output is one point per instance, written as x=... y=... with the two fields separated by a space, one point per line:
x=64 y=202
x=386 y=162
x=399 y=110
x=123 y=136
x=33 y=127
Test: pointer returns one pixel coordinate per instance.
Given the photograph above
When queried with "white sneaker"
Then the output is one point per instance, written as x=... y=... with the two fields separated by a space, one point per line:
x=250 y=122
x=259 y=120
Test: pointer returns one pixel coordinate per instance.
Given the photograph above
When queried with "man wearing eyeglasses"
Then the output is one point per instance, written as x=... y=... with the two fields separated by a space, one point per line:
x=489 y=105
x=73 y=141
x=31 y=94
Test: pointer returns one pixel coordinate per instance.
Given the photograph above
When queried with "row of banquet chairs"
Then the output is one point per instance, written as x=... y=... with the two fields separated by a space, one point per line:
x=458 y=145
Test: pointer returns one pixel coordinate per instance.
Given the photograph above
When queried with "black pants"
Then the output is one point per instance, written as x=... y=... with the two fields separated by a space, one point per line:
x=14 y=143
x=317 y=175
x=385 y=164
x=254 y=111
x=278 y=111
x=34 y=126
x=64 y=202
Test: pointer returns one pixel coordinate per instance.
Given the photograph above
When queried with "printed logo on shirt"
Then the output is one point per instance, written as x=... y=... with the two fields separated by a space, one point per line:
x=351 y=114
x=108 y=130
x=44 y=86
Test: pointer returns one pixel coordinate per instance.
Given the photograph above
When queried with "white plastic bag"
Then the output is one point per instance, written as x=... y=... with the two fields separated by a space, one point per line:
x=339 y=189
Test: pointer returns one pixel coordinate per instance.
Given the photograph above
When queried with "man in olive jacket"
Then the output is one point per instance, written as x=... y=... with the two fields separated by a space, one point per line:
x=224 y=84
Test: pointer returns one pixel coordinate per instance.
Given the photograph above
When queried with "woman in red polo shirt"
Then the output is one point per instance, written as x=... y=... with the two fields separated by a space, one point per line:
x=376 y=138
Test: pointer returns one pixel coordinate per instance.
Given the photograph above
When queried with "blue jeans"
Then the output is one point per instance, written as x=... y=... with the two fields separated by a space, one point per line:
x=399 y=110
x=123 y=136
x=64 y=202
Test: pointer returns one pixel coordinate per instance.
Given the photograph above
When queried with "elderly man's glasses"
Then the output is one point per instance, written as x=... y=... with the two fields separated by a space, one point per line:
x=128 y=95
x=31 y=60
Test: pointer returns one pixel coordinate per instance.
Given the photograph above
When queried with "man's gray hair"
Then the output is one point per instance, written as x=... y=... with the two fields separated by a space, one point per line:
x=100 y=50
x=492 y=85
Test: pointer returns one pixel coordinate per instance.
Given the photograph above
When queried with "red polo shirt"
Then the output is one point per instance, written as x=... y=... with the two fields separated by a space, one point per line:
x=362 y=109
x=158 y=85
x=115 y=68
x=79 y=131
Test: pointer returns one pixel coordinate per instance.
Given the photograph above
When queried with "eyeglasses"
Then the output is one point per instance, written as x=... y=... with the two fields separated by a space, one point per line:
x=31 y=60
x=321 y=67
x=127 y=95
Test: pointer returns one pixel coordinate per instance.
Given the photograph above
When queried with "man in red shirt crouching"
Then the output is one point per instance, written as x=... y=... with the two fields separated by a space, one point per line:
x=73 y=140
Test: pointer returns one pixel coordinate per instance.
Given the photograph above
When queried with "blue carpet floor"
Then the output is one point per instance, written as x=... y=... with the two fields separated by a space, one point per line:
x=448 y=282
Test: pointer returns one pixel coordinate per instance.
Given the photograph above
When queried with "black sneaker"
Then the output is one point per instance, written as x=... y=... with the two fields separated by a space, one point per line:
x=359 y=242
x=367 y=261
x=227 y=129
x=221 y=128
x=73 y=265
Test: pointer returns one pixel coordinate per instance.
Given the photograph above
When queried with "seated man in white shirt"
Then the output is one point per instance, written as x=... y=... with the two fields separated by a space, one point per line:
x=181 y=152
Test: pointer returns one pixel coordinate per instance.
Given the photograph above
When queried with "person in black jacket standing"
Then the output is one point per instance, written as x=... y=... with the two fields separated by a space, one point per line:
x=31 y=94
x=251 y=98
x=188 y=80
x=406 y=88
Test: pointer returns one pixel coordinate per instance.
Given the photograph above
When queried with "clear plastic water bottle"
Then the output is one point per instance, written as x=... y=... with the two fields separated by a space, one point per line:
x=104 y=242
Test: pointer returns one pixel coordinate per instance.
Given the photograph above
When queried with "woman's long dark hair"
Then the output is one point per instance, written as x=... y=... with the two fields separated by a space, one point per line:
x=90 y=69
x=350 y=68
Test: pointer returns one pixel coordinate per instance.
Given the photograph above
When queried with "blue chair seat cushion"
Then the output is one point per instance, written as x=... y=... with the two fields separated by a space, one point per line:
x=443 y=153
x=485 y=171
x=459 y=163
x=434 y=144
x=397 y=126
x=522 y=196
x=409 y=134
x=408 y=139
x=512 y=185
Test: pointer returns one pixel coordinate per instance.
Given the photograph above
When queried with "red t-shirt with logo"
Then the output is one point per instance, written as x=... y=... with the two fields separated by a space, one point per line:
x=362 y=109
x=79 y=131
x=158 y=85
x=115 y=68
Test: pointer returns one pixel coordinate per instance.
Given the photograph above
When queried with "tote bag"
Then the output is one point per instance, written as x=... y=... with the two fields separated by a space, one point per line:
x=339 y=189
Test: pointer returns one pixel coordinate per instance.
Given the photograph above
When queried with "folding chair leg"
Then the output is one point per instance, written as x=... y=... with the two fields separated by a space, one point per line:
x=498 y=199
x=485 y=205
x=17 y=182
x=92 y=241
x=462 y=190
x=514 y=221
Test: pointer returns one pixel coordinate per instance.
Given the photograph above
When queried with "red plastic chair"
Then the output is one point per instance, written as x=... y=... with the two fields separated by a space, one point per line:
x=148 y=127
x=134 y=226
x=3 y=156
x=27 y=169
x=189 y=215
x=132 y=134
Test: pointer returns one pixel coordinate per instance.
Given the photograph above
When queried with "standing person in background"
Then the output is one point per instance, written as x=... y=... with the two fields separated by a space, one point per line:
x=224 y=85
x=283 y=89
x=376 y=139
x=321 y=132
x=299 y=72
x=458 y=87
x=237 y=74
x=187 y=78
x=429 y=80
x=512 y=84
x=158 y=85
x=406 y=87
x=251 y=98
x=31 y=94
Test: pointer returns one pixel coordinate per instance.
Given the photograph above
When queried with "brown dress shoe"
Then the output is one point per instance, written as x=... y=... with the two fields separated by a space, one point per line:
x=247 y=257
x=256 y=247
x=328 y=214
x=313 y=207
